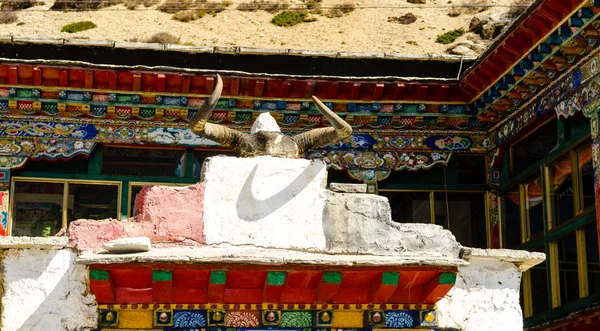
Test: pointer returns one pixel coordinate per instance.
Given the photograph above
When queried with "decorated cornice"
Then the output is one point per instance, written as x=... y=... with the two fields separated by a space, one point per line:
x=296 y=113
x=535 y=57
x=576 y=90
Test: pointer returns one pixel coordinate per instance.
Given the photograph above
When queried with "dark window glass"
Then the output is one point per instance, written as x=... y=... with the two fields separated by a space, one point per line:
x=561 y=190
x=143 y=162
x=534 y=147
x=467 y=217
x=409 y=207
x=534 y=206
x=511 y=219
x=200 y=156
x=539 y=288
x=470 y=169
x=90 y=201
x=567 y=267
x=593 y=262
x=37 y=209
x=586 y=166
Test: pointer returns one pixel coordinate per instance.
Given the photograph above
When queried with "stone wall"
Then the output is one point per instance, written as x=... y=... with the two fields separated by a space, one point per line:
x=43 y=289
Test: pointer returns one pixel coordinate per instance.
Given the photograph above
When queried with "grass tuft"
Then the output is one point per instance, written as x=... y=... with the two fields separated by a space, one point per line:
x=78 y=27
x=7 y=17
x=291 y=18
x=163 y=38
x=450 y=36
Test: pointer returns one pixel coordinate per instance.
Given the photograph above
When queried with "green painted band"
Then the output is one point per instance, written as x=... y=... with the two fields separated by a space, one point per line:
x=161 y=275
x=276 y=278
x=99 y=274
x=332 y=277
x=218 y=277
x=447 y=279
x=390 y=278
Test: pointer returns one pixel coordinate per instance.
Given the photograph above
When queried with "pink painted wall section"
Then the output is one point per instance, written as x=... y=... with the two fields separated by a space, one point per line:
x=164 y=214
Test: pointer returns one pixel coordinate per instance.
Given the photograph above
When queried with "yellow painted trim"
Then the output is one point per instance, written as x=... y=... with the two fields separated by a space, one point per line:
x=582 y=271
x=548 y=202
x=527 y=294
x=264 y=306
x=65 y=205
x=526 y=54
x=432 y=207
x=554 y=274
x=524 y=213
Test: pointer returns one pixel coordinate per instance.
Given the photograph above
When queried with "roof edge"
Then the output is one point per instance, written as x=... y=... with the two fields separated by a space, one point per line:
x=236 y=50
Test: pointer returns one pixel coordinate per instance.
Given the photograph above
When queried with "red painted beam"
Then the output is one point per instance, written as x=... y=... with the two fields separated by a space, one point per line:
x=162 y=284
x=102 y=286
x=216 y=286
x=210 y=85
x=37 y=76
x=161 y=82
x=309 y=89
x=137 y=82
x=186 y=83
x=378 y=91
x=274 y=286
x=399 y=93
x=63 y=79
x=384 y=287
x=328 y=286
x=355 y=94
x=438 y=288
x=333 y=90
x=235 y=87
x=284 y=89
x=259 y=88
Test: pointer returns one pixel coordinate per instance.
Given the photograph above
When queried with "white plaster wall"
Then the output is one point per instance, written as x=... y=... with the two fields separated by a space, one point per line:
x=485 y=298
x=44 y=290
x=265 y=202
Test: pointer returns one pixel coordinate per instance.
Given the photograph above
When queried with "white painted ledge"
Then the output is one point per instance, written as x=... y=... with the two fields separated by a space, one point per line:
x=33 y=242
x=524 y=260
x=259 y=256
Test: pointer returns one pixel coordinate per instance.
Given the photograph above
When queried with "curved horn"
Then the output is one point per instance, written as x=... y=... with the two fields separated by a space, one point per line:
x=211 y=103
x=199 y=120
x=342 y=127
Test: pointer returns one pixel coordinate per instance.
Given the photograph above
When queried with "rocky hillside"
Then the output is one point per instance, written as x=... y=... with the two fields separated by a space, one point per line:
x=391 y=26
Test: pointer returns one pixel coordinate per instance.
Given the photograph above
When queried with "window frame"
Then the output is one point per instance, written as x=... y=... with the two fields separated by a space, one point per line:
x=553 y=232
x=65 y=201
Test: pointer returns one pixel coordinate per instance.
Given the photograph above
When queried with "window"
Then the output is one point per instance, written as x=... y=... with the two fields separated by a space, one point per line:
x=540 y=301
x=410 y=207
x=534 y=147
x=143 y=162
x=534 y=207
x=467 y=219
x=593 y=262
x=37 y=209
x=470 y=169
x=511 y=209
x=40 y=207
x=561 y=190
x=586 y=173
x=567 y=268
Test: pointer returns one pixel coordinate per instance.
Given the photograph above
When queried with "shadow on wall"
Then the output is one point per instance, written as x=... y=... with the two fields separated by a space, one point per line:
x=45 y=290
x=252 y=208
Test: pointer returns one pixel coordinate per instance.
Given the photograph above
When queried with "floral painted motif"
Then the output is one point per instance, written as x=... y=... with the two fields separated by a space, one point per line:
x=399 y=319
x=296 y=319
x=242 y=320
x=189 y=319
